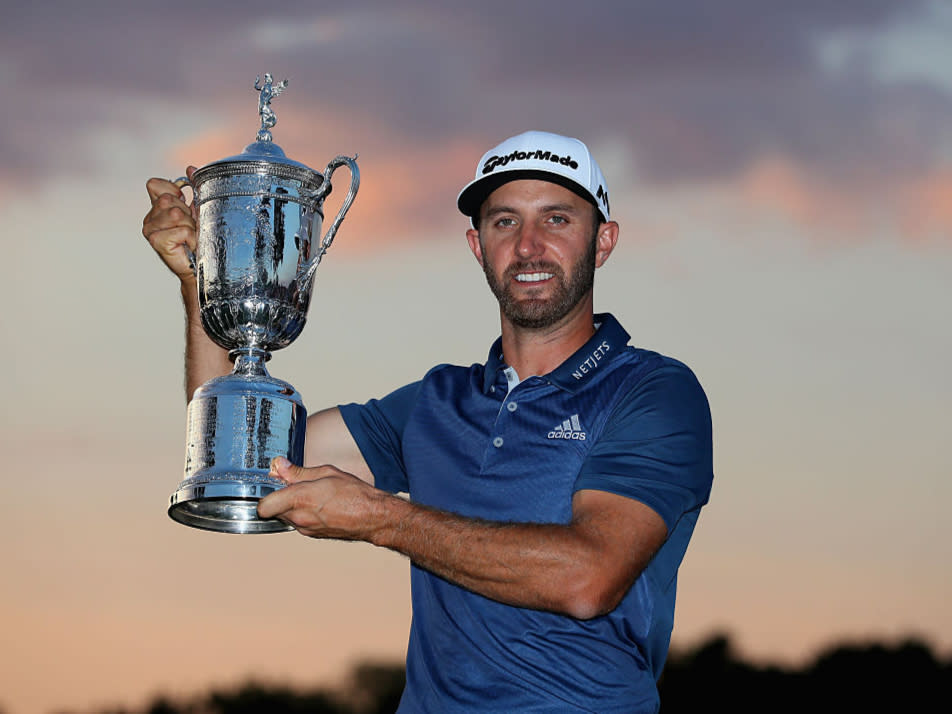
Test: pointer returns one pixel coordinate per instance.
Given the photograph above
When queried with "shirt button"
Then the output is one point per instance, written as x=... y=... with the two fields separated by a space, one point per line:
x=512 y=406
x=497 y=442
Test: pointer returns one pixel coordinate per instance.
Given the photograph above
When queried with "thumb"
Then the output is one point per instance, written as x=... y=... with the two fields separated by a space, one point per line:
x=283 y=469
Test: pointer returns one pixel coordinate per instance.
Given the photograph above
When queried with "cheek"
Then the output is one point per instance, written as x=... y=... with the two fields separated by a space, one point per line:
x=492 y=253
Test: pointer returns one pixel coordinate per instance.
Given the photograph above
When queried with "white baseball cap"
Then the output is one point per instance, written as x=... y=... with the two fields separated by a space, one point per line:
x=536 y=155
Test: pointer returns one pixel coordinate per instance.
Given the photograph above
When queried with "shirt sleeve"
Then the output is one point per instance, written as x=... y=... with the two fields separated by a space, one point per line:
x=377 y=427
x=656 y=446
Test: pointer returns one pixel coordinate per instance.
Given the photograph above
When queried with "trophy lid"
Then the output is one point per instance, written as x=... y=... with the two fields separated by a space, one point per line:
x=261 y=150
x=263 y=155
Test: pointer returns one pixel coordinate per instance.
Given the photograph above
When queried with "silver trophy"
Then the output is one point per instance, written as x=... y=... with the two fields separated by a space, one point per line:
x=257 y=212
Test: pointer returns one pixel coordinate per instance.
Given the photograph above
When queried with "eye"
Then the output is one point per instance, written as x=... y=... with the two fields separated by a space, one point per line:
x=506 y=222
x=558 y=220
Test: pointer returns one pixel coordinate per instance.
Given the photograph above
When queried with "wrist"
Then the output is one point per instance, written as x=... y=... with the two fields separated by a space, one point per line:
x=189 y=291
x=389 y=516
x=189 y=283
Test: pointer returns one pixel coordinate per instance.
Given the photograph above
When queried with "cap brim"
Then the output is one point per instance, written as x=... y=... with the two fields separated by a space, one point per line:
x=472 y=196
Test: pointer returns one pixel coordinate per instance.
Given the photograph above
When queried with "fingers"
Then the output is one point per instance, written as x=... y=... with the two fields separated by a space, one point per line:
x=159 y=186
x=307 y=492
x=283 y=499
x=170 y=243
x=170 y=225
x=283 y=502
x=181 y=183
x=283 y=469
x=169 y=207
x=276 y=503
x=168 y=211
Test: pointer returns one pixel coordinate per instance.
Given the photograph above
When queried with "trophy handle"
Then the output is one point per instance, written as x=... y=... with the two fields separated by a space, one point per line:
x=181 y=182
x=307 y=271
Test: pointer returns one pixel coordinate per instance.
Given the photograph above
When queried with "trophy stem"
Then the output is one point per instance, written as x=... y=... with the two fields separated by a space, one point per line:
x=249 y=361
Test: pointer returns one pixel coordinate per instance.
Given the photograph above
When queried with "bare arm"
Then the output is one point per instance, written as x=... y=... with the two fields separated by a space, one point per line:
x=581 y=569
x=204 y=359
x=328 y=441
x=170 y=226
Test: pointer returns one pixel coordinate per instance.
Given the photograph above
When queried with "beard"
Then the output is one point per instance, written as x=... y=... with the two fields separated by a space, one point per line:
x=539 y=313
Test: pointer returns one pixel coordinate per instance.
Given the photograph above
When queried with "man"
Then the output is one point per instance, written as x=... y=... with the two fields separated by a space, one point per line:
x=553 y=489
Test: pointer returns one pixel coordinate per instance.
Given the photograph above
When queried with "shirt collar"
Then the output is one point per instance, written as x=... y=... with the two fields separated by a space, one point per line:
x=585 y=364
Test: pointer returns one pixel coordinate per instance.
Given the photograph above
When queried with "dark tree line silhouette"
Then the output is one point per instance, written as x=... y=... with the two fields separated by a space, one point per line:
x=907 y=677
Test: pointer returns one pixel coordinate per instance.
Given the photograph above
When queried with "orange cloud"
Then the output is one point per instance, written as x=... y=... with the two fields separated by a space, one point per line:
x=780 y=186
x=409 y=193
x=913 y=208
x=926 y=207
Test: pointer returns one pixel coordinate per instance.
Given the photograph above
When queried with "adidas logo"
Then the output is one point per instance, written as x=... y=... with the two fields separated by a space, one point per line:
x=568 y=429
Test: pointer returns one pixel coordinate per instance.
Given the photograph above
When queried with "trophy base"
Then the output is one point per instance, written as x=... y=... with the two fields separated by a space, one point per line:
x=236 y=425
x=225 y=505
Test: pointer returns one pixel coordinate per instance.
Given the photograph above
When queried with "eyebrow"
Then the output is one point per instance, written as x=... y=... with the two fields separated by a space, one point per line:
x=561 y=207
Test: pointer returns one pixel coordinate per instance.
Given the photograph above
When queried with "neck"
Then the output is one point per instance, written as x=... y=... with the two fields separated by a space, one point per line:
x=538 y=351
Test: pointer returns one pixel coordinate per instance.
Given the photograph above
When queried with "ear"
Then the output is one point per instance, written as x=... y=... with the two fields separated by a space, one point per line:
x=605 y=241
x=472 y=236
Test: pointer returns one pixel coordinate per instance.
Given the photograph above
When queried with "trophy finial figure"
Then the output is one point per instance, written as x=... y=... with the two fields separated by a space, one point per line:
x=266 y=92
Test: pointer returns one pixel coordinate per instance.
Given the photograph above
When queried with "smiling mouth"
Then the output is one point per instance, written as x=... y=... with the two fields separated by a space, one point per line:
x=533 y=277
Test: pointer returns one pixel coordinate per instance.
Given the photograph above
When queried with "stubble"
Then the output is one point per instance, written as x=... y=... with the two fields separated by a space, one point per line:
x=539 y=313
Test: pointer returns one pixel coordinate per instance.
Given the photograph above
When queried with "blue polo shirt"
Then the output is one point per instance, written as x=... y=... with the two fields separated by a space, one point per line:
x=613 y=418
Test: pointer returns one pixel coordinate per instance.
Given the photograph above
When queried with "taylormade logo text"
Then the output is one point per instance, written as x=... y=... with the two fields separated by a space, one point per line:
x=494 y=162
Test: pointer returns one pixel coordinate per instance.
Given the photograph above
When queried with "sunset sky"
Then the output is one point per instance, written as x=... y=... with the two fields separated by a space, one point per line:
x=782 y=175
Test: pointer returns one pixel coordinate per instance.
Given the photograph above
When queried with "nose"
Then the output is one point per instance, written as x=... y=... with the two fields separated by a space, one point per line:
x=528 y=242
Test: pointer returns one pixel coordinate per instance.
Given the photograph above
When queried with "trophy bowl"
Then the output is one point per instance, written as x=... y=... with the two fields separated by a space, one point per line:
x=257 y=213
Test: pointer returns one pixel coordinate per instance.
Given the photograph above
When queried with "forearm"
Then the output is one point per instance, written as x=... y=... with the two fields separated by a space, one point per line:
x=204 y=359
x=541 y=566
x=582 y=568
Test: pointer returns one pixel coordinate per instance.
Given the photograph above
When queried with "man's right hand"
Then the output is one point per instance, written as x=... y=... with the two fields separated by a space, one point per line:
x=170 y=225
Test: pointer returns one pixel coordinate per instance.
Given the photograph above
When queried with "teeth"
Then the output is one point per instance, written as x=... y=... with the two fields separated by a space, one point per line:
x=533 y=277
